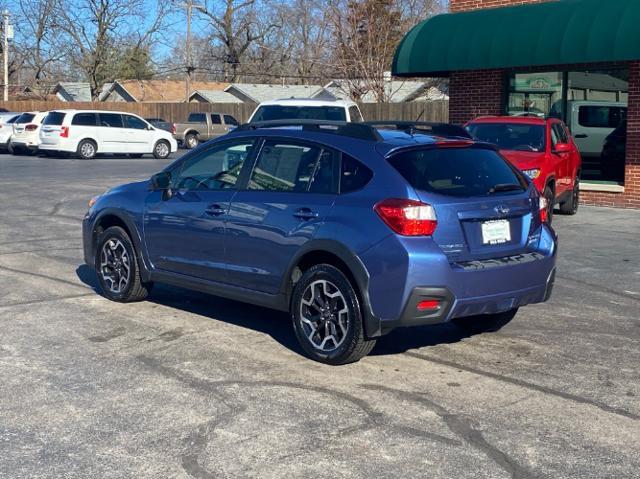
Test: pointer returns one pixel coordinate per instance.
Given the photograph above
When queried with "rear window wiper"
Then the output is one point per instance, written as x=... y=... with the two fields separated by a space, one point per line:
x=505 y=187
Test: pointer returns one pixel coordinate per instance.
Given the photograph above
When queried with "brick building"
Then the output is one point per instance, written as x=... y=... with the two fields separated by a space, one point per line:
x=575 y=59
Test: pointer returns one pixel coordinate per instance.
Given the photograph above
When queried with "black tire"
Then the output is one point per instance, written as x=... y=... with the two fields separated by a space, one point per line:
x=161 y=150
x=484 y=323
x=135 y=155
x=352 y=344
x=190 y=141
x=87 y=149
x=17 y=150
x=551 y=198
x=570 y=207
x=109 y=244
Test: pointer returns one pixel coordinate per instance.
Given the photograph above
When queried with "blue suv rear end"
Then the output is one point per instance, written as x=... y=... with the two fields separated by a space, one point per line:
x=355 y=230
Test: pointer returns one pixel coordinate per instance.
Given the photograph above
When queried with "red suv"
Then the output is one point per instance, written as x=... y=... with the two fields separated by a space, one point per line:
x=541 y=148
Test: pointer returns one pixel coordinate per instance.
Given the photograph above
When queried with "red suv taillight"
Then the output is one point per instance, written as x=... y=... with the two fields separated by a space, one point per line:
x=64 y=132
x=544 y=211
x=31 y=127
x=408 y=217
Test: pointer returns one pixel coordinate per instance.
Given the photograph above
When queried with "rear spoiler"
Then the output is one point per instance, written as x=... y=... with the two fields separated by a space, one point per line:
x=433 y=128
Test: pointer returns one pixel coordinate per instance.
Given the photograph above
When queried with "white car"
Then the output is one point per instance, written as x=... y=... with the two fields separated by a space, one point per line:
x=89 y=132
x=6 y=128
x=25 y=138
x=306 y=109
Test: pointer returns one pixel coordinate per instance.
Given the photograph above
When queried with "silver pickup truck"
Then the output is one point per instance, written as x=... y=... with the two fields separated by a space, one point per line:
x=202 y=127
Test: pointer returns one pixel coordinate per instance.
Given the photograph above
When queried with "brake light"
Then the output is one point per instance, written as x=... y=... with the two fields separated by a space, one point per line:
x=544 y=211
x=407 y=217
x=31 y=127
x=64 y=132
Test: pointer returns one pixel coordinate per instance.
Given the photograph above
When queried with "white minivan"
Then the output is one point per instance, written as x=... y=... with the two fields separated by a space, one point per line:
x=89 y=132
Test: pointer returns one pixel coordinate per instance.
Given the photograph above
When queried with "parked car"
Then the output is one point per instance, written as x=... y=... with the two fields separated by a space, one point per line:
x=90 y=132
x=25 y=136
x=162 y=124
x=354 y=230
x=590 y=122
x=543 y=149
x=202 y=127
x=307 y=109
x=7 y=120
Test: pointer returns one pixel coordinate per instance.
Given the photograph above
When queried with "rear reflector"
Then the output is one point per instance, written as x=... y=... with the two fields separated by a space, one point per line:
x=64 y=132
x=31 y=127
x=407 y=217
x=428 y=305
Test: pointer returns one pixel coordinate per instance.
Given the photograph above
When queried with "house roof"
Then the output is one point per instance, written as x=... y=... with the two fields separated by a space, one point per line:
x=160 y=90
x=262 y=92
x=73 y=91
x=215 y=96
x=399 y=91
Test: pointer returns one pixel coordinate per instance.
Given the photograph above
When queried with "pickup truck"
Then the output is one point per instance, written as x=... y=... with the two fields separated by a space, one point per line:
x=202 y=127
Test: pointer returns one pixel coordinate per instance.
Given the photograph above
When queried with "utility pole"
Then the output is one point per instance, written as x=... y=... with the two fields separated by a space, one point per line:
x=187 y=47
x=7 y=33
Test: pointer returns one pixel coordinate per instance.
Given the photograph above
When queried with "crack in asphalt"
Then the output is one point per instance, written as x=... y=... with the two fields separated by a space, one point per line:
x=526 y=384
x=199 y=439
x=464 y=430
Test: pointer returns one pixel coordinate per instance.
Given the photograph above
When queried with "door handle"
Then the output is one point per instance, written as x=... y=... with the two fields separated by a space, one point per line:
x=215 y=210
x=582 y=135
x=305 y=214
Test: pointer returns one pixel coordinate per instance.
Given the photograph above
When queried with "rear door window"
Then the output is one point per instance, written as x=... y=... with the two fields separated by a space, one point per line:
x=54 y=118
x=461 y=172
x=197 y=118
x=85 y=119
x=113 y=120
x=216 y=120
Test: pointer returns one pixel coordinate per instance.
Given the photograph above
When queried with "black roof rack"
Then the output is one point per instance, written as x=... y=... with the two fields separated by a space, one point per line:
x=433 y=128
x=360 y=131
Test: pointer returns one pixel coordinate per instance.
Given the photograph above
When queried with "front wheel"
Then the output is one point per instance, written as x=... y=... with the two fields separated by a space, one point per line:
x=191 y=141
x=483 y=323
x=550 y=197
x=327 y=318
x=161 y=150
x=570 y=207
x=117 y=267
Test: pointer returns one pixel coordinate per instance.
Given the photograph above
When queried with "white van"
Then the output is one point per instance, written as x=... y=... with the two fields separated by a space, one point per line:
x=89 y=132
x=591 y=122
x=307 y=109
x=25 y=137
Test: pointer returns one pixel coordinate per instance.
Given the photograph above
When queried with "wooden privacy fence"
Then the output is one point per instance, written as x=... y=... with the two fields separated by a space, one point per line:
x=177 y=112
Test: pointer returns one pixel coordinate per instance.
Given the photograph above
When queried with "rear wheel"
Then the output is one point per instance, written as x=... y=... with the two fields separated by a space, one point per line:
x=191 y=140
x=485 y=322
x=550 y=197
x=117 y=267
x=570 y=207
x=87 y=149
x=327 y=318
x=161 y=150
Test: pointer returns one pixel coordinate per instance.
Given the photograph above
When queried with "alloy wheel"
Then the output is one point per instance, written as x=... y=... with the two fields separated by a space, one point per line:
x=87 y=150
x=324 y=315
x=115 y=266
x=162 y=150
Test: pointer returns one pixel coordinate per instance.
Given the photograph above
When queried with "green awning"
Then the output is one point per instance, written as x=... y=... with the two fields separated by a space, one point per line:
x=541 y=34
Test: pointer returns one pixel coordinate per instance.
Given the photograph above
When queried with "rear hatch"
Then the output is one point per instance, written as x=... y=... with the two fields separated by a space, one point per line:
x=485 y=208
x=20 y=133
x=52 y=128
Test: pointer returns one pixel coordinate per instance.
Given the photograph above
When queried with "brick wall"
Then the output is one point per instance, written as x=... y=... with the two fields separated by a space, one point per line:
x=463 y=5
x=474 y=93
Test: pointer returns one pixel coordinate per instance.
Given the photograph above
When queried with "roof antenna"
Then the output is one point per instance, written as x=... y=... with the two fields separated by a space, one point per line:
x=419 y=116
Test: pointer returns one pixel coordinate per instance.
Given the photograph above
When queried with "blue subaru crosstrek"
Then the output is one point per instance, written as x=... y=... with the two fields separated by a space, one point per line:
x=355 y=229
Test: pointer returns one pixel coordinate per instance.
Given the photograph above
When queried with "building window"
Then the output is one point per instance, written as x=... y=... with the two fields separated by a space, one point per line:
x=593 y=104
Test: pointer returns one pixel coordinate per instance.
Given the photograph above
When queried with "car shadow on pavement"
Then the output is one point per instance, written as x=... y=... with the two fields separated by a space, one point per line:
x=278 y=324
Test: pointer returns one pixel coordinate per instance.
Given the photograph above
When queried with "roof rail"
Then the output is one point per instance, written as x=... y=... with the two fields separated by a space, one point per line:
x=360 y=131
x=434 y=128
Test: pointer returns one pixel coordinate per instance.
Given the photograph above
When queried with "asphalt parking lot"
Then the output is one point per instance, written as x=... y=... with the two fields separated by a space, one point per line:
x=188 y=385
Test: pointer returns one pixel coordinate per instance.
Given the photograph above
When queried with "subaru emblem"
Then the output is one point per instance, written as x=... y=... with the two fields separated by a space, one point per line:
x=502 y=210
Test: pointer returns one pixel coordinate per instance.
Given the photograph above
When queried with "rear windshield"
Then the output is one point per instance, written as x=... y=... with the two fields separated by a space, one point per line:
x=510 y=136
x=54 y=118
x=13 y=119
x=458 y=172
x=280 y=112
x=25 y=118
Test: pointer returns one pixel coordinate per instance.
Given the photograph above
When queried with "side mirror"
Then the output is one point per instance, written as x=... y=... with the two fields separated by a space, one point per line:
x=562 y=148
x=161 y=181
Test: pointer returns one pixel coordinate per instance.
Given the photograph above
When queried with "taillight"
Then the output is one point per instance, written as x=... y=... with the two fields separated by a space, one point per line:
x=64 y=132
x=544 y=211
x=407 y=217
x=31 y=127
x=173 y=128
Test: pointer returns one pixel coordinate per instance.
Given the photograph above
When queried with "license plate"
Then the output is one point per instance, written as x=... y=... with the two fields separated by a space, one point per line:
x=496 y=232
